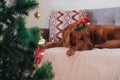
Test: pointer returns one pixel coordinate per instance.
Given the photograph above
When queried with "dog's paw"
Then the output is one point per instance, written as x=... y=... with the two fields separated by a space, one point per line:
x=47 y=45
x=44 y=46
x=70 y=53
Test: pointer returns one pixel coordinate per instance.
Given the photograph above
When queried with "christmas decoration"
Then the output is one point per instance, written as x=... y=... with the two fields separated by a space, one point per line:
x=38 y=56
x=17 y=43
x=37 y=15
x=84 y=21
x=41 y=41
x=82 y=24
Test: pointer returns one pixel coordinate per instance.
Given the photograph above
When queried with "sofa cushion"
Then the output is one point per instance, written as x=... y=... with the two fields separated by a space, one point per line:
x=106 y=16
x=117 y=16
x=60 y=19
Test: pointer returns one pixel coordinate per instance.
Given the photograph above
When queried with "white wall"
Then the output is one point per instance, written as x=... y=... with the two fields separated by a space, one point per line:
x=47 y=5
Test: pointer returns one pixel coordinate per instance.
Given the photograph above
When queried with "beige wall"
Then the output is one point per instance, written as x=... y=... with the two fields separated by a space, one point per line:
x=45 y=6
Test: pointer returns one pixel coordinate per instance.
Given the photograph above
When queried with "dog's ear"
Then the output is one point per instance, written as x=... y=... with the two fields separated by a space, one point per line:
x=66 y=37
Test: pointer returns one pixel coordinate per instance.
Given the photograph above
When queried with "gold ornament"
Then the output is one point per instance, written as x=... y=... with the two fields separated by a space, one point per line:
x=42 y=40
x=37 y=15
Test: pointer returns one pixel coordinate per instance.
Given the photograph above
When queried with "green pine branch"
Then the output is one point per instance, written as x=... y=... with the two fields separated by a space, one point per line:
x=45 y=72
x=24 y=6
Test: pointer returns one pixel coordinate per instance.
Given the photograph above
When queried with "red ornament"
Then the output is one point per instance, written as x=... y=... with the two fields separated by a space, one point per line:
x=83 y=21
x=38 y=56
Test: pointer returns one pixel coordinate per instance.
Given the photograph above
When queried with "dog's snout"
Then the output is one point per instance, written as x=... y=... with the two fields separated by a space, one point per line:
x=90 y=47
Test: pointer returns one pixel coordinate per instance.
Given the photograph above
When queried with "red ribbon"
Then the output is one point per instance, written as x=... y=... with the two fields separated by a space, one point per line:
x=37 y=56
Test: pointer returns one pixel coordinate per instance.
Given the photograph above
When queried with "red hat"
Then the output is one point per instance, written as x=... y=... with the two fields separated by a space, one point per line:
x=83 y=20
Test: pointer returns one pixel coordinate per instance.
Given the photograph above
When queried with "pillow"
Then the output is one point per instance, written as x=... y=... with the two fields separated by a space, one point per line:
x=60 y=19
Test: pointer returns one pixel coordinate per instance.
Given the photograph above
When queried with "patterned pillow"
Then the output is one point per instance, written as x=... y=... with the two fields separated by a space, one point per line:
x=60 y=19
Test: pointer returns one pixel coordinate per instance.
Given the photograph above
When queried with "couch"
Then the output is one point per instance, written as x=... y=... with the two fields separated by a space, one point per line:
x=96 y=64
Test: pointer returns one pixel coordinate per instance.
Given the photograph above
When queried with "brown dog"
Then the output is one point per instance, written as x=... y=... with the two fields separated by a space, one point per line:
x=100 y=36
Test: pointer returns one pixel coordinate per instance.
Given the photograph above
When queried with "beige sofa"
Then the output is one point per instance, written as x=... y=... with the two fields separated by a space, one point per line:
x=96 y=64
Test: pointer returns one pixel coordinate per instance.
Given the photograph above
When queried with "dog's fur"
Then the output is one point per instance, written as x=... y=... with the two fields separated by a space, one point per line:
x=94 y=36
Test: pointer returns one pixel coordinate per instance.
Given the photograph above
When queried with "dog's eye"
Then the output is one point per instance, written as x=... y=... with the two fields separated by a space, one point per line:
x=82 y=38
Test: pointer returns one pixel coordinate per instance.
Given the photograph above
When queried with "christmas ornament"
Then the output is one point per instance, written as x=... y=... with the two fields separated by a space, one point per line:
x=38 y=56
x=37 y=15
x=41 y=41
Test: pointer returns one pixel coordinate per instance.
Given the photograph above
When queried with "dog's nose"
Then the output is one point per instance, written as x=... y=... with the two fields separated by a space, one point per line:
x=90 y=47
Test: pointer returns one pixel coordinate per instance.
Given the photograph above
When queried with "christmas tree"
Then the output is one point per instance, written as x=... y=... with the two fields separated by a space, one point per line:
x=17 y=43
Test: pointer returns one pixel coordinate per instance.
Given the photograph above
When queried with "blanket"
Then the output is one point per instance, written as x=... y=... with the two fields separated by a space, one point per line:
x=96 y=64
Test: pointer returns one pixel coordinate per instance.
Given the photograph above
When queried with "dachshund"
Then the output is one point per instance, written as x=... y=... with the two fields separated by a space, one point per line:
x=93 y=36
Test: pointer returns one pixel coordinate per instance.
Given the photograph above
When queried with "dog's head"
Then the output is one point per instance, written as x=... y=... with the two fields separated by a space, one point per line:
x=83 y=40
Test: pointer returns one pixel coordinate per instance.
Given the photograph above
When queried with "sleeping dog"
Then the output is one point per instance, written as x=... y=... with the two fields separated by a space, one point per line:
x=93 y=36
